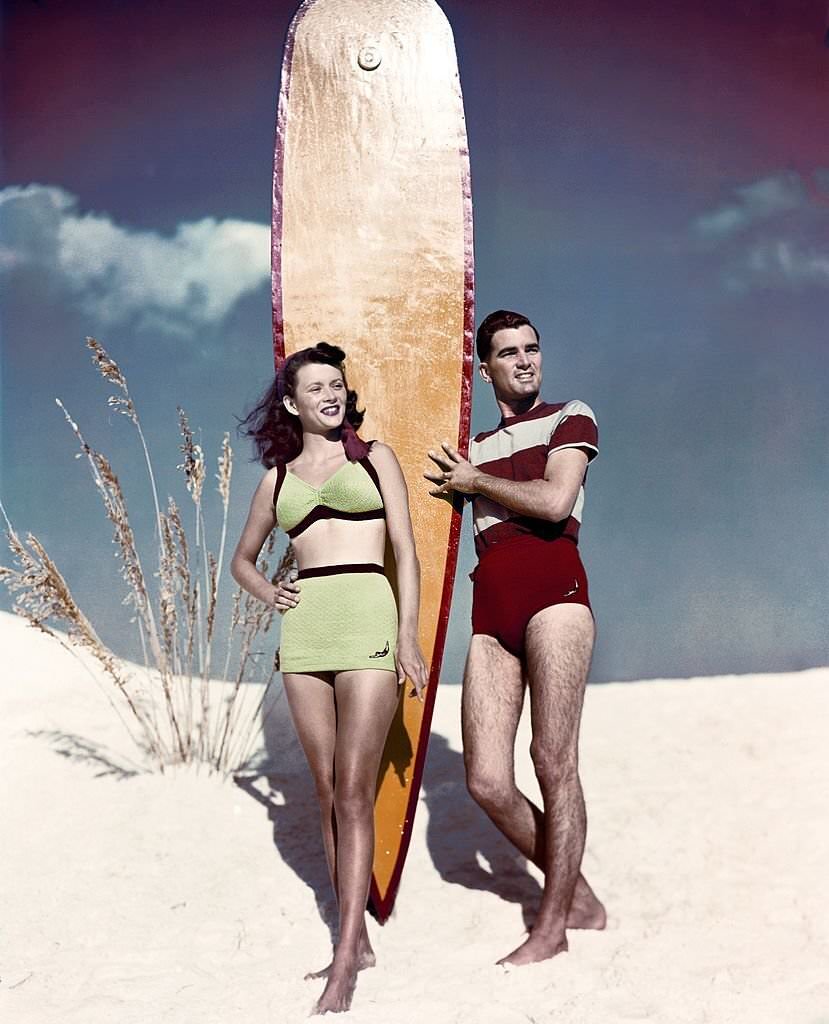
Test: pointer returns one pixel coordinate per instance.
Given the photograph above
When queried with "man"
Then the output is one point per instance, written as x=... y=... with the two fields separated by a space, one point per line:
x=531 y=620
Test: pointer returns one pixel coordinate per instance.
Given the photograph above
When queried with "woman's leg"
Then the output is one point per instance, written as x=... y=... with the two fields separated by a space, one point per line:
x=365 y=702
x=311 y=700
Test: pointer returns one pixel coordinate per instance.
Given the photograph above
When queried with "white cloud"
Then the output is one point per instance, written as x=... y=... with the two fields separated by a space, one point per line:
x=179 y=282
x=786 y=262
x=753 y=203
x=774 y=235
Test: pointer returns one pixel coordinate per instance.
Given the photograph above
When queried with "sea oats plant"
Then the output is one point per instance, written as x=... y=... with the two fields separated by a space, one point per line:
x=173 y=710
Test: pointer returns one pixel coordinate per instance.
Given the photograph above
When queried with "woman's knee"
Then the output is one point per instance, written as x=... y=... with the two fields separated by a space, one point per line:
x=353 y=797
x=324 y=786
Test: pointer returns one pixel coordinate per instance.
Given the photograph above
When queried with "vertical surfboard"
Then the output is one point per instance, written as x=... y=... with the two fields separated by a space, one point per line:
x=372 y=250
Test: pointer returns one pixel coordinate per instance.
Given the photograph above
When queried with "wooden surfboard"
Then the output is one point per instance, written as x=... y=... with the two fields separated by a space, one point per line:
x=372 y=251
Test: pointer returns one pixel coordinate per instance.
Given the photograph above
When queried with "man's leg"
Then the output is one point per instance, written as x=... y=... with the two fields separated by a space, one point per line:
x=493 y=694
x=559 y=645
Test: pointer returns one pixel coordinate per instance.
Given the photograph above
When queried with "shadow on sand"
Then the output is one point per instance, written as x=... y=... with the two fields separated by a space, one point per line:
x=285 y=789
x=464 y=845
x=465 y=848
x=84 y=751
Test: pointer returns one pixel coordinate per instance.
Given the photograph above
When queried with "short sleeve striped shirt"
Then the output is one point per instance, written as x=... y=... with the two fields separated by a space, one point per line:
x=518 y=449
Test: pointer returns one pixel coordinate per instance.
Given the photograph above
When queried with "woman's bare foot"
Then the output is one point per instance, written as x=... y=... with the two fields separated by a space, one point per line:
x=586 y=911
x=365 y=958
x=339 y=990
x=535 y=949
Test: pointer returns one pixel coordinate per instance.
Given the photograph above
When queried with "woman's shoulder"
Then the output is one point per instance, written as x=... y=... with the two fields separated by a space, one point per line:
x=269 y=483
x=381 y=454
x=386 y=464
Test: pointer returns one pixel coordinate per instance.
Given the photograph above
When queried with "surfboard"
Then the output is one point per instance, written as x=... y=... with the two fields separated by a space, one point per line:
x=372 y=250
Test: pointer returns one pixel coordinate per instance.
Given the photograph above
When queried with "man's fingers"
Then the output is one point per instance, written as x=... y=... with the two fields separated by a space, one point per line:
x=444 y=486
x=453 y=453
x=440 y=459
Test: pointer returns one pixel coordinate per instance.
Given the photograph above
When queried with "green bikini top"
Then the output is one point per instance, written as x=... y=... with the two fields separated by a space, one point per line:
x=352 y=492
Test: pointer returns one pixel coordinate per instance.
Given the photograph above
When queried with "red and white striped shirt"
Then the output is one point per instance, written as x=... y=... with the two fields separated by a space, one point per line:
x=518 y=449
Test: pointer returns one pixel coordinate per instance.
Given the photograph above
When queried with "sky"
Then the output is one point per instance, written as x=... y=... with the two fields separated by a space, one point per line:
x=650 y=185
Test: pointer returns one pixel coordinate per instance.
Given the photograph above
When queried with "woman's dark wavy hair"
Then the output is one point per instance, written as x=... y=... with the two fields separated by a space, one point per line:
x=276 y=434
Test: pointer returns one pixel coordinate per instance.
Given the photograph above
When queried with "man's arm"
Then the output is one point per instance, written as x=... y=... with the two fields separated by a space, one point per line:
x=551 y=498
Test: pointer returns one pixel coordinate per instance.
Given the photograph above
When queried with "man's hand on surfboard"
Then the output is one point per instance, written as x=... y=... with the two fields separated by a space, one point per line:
x=410 y=664
x=453 y=473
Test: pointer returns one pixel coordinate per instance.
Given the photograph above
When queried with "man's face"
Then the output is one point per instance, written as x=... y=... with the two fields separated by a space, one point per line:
x=513 y=366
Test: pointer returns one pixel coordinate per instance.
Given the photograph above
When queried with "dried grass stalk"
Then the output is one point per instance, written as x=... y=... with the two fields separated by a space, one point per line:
x=284 y=571
x=111 y=372
x=177 y=626
x=43 y=595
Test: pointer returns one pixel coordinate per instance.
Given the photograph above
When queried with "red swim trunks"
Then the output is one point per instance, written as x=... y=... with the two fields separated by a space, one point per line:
x=517 y=578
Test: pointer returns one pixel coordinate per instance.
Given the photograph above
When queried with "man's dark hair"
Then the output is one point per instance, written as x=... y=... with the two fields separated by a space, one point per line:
x=497 y=321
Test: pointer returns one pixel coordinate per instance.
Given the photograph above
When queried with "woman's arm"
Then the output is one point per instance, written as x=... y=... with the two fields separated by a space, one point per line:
x=261 y=520
x=399 y=526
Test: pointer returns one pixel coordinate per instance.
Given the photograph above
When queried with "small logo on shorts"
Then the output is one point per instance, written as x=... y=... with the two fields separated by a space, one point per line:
x=381 y=654
x=573 y=591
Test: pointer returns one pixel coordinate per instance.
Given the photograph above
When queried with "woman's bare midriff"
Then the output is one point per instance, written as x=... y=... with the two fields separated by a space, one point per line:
x=341 y=542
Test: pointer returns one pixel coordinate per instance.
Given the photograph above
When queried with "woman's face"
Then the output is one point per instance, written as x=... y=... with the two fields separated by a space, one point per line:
x=319 y=397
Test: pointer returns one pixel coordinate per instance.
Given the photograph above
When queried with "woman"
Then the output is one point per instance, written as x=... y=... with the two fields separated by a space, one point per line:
x=346 y=646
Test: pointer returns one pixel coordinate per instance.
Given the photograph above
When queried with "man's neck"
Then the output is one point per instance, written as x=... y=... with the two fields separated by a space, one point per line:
x=517 y=407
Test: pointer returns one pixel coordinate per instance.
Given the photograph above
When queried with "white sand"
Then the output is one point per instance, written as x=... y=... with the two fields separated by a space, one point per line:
x=184 y=899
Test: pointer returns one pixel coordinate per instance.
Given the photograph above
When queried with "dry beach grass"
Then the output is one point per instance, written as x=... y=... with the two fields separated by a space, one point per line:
x=166 y=707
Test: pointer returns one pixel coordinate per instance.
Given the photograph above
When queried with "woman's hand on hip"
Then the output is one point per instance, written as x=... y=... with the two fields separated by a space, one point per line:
x=285 y=595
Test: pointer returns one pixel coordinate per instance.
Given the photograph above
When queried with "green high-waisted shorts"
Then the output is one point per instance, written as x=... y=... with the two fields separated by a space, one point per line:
x=346 y=619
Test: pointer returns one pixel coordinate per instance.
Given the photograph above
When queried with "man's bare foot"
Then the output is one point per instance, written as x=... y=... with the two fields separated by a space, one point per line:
x=339 y=990
x=586 y=911
x=535 y=949
x=365 y=958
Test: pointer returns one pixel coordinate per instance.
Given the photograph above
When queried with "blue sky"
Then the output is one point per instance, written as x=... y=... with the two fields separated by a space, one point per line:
x=650 y=184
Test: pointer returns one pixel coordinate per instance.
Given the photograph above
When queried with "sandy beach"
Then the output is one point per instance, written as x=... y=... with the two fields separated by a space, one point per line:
x=183 y=898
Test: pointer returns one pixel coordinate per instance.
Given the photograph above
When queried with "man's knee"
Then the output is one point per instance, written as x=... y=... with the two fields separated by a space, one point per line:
x=555 y=766
x=489 y=788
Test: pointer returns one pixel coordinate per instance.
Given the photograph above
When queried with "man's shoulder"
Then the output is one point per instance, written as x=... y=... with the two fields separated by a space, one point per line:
x=576 y=407
x=543 y=411
x=484 y=434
